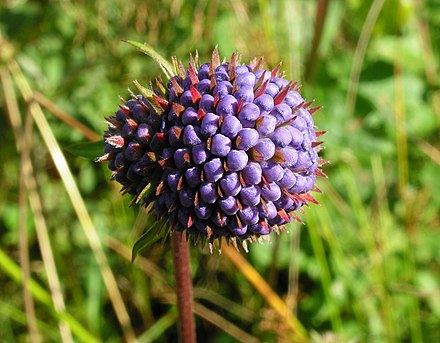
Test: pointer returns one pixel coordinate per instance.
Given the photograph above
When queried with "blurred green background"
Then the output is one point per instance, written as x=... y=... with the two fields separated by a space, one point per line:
x=365 y=267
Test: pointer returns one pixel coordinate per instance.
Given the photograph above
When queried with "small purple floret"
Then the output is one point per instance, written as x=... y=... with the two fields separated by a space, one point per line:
x=221 y=145
x=227 y=106
x=230 y=184
x=191 y=135
x=264 y=103
x=199 y=153
x=247 y=138
x=189 y=116
x=213 y=170
x=252 y=173
x=208 y=192
x=209 y=124
x=237 y=160
x=231 y=126
x=250 y=195
x=228 y=205
x=265 y=149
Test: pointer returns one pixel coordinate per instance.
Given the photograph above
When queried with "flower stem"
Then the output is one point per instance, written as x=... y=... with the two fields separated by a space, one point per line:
x=183 y=287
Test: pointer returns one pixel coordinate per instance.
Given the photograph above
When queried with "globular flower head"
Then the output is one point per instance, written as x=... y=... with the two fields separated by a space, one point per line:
x=219 y=150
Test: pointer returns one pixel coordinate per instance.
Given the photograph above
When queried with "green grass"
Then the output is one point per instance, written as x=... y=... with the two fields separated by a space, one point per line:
x=363 y=268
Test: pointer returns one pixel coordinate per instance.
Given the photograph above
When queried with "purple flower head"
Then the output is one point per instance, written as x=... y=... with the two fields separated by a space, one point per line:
x=219 y=150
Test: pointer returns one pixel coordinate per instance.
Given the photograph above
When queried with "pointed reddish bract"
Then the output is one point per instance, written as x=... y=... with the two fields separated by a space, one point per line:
x=315 y=109
x=260 y=91
x=116 y=141
x=279 y=98
x=125 y=110
x=160 y=101
x=178 y=109
x=193 y=75
x=215 y=62
x=319 y=172
x=177 y=88
x=195 y=95
x=256 y=64
x=159 y=188
x=274 y=72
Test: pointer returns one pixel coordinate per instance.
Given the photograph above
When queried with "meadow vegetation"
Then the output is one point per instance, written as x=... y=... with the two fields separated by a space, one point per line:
x=364 y=266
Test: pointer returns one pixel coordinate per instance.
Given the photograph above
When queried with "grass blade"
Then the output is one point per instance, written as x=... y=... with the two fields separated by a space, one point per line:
x=65 y=117
x=225 y=325
x=324 y=270
x=78 y=204
x=157 y=330
x=26 y=138
x=35 y=201
x=266 y=291
x=321 y=13
x=9 y=311
x=368 y=239
x=40 y=294
x=359 y=54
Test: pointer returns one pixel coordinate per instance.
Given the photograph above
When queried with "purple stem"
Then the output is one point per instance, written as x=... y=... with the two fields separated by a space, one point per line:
x=183 y=287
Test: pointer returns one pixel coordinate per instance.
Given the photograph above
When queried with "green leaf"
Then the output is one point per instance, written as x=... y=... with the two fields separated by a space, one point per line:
x=148 y=238
x=148 y=50
x=87 y=150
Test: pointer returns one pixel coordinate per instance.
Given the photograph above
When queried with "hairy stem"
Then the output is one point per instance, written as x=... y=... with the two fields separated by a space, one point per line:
x=183 y=288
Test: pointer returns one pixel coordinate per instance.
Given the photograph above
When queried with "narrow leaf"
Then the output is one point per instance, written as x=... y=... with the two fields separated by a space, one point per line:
x=148 y=238
x=148 y=50
x=87 y=150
